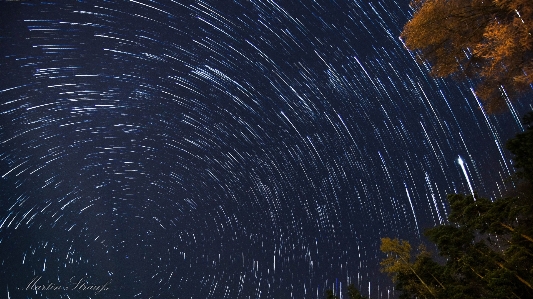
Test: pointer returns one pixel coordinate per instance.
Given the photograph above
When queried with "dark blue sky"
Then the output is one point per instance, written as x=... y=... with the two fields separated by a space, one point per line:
x=225 y=149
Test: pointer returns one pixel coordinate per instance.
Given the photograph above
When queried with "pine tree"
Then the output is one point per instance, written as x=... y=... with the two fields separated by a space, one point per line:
x=487 y=245
x=351 y=293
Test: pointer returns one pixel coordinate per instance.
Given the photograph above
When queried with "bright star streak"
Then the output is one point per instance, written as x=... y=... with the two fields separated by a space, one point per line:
x=462 y=164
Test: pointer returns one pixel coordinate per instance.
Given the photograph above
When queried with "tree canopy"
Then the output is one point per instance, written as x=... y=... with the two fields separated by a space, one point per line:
x=351 y=293
x=485 y=250
x=487 y=246
x=489 y=41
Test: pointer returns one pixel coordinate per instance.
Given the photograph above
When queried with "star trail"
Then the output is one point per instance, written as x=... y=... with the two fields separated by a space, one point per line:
x=225 y=149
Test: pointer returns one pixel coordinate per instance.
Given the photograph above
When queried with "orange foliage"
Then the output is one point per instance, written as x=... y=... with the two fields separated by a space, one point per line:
x=488 y=41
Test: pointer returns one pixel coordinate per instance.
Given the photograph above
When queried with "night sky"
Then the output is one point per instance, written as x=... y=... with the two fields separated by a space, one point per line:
x=225 y=149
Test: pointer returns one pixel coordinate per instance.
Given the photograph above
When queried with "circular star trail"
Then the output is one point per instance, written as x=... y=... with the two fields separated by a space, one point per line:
x=225 y=149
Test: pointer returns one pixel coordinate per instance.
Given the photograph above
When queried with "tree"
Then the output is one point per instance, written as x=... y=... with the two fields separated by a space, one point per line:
x=522 y=147
x=487 y=245
x=351 y=292
x=410 y=274
x=330 y=295
x=489 y=41
x=487 y=250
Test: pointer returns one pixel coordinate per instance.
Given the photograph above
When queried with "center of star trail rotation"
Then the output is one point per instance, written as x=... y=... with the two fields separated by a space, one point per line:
x=225 y=149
